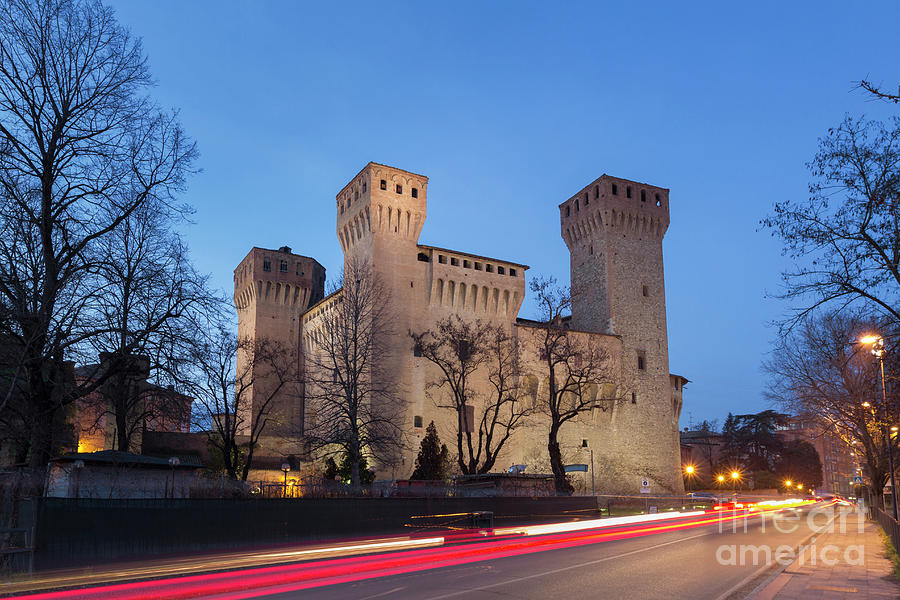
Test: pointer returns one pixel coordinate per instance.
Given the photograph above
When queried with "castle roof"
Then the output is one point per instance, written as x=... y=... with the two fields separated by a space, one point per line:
x=478 y=256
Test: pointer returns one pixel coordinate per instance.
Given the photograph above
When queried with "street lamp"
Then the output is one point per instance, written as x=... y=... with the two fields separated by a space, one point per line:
x=720 y=479
x=734 y=479
x=285 y=467
x=878 y=351
x=689 y=471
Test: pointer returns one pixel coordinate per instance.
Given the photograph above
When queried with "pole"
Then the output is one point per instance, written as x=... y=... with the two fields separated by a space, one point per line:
x=592 y=471
x=889 y=440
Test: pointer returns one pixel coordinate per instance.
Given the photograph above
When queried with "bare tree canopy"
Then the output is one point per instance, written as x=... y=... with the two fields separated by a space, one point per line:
x=846 y=236
x=462 y=351
x=353 y=405
x=232 y=407
x=82 y=148
x=817 y=373
x=879 y=91
x=575 y=366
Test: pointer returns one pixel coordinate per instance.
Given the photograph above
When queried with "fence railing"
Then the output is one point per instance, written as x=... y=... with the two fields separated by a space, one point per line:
x=889 y=524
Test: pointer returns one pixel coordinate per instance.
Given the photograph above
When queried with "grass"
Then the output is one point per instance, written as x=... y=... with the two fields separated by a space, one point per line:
x=891 y=553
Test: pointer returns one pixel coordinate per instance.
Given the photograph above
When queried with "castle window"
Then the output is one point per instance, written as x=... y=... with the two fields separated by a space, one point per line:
x=422 y=257
x=633 y=398
x=364 y=187
x=568 y=210
x=399 y=189
x=283 y=266
x=383 y=184
x=415 y=192
x=596 y=191
x=512 y=272
x=643 y=196
x=477 y=266
x=299 y=269
x=576 y=206
x=489 y=268
x=442 y=259
x=267 y=265
x=615 y=190
x=628 y=192
x=586 y=199
x=342 y=208
x=641 y=361
x=658 y=201
x=584 y=444
x=467 y=264
x=454 y=261
x=591 y=251
x=417 y=350
x=645 y=291
x=417 y=421
x=501 y=271
x=356 y=194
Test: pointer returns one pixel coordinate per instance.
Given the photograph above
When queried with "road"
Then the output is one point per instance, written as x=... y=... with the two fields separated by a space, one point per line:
x=690 y=556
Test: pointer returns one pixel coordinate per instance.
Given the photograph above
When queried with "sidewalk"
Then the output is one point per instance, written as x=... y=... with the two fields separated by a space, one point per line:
x=854 y=567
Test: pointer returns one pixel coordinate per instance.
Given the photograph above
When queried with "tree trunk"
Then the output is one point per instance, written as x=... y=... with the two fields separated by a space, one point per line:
x=556 y=464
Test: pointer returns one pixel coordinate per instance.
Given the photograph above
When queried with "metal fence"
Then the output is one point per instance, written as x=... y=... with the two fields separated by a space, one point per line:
x=889 y=524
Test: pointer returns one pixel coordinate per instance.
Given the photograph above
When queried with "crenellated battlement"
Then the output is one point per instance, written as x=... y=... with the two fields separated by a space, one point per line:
x=381 y=200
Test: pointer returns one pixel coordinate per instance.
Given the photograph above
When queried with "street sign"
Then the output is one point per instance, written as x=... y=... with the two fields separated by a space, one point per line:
x=645 y=486
x=857 y=479
x=576 y=468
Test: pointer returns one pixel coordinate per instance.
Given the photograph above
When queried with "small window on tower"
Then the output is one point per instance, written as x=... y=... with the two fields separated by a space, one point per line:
x=512 y=272
x=628 y=192
x=645 y=291
x=364 y=187
x=342 y=208
x=643 y=196
x=489 y=268
x=586 y=199
x=267 y=265
x=417 y=421
x=283 y=266
x=658 y=201
x=596 y=191
x=442 y=259
x=356 y=195
x=454 y=261
x=415 y=192
x=501 y=271
x=615 y=190
x=568 y=210
x=633 y=398
x=383 y=184
x=576 y=206
x=641 y=361
x=584 y=444
x=467 y=264
x=477 y=266
x=417 y=350
x=399 y=189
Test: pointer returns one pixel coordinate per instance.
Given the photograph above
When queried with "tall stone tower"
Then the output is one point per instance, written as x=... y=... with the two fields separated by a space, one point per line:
x=272 y=289
x=614 y=230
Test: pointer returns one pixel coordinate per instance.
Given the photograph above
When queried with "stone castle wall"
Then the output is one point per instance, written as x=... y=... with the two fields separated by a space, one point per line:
x=619 y=305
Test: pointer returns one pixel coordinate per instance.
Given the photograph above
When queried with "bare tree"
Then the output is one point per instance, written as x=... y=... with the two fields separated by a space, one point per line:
x=236 y=407
x=462 y=350
x=576 y=367
x=81 y=149
x=816 y=372
x=879 y=91
x=847 y=234
x=151 y=294
x=352 y=404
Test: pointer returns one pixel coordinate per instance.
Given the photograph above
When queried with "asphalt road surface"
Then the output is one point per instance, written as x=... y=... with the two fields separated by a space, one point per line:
x=680 y=564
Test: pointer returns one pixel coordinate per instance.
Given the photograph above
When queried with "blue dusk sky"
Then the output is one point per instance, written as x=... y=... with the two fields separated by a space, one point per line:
x=511 y=107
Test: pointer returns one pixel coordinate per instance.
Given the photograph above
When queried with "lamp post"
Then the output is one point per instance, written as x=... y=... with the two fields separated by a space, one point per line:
x=285 y=467
x=720 y=479
x=734 y=479
x=878 y=351
x=689 y=471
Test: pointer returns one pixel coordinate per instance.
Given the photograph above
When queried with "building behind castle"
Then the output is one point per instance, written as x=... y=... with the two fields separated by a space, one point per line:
x=614 y=230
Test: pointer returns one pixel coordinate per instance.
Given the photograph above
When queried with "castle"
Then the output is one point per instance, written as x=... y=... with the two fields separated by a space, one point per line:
x=614 y=230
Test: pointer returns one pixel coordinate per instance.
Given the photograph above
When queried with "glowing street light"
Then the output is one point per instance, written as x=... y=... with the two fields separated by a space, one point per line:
x=878 y=350
x=689 y=471
x=735 y=476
